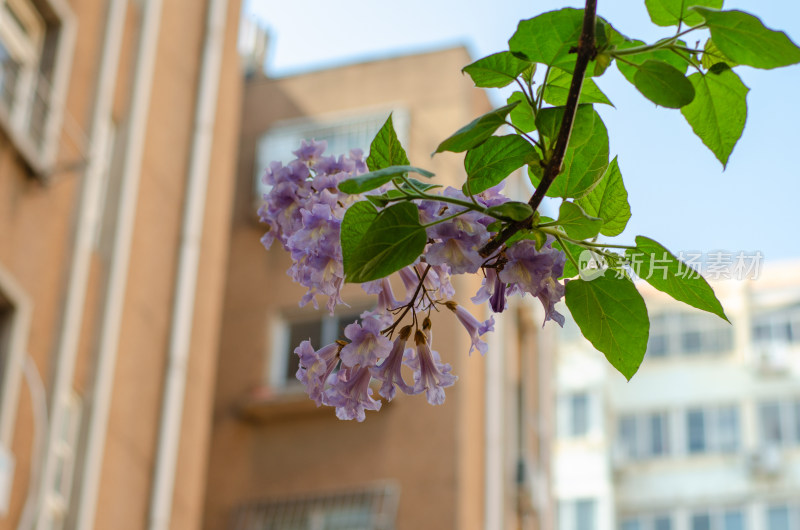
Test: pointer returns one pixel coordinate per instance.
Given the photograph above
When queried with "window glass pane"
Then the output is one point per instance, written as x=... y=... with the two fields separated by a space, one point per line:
x=778 y=518
x=695 y=424
x=627 y=436
x=701 y=521
x=691 y=341
x=719 y=340
x=298 y=332
x=662 y=522
x=762 y=332
x=9 y=70
x=584 y=514
x=771 y=431
x=658 y=434
x=657 y=345
x=733 y=520
x=728 y=429
x=630 y=524
x=580 y=415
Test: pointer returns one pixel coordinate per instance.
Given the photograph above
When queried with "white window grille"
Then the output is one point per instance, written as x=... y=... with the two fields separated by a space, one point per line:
x=372 y=508
x=779 y=422
x=59 y=486
x=576 y=415
x=712 y=430
x=33 y=56
x=342 y=135
x=643 y=436
x=688 y=334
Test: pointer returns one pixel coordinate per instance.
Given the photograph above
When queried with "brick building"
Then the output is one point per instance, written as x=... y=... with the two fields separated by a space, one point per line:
x=277 y=461
x=118 y=123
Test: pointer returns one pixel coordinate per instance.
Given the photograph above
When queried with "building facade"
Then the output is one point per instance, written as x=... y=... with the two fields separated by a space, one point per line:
x=277 y=461
x=706 y=436
x=118 y=126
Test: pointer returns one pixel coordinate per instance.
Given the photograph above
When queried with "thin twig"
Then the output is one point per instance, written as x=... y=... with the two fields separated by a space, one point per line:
x=586 y=52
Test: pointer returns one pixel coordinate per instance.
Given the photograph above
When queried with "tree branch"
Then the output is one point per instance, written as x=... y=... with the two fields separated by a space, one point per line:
x=586 y=52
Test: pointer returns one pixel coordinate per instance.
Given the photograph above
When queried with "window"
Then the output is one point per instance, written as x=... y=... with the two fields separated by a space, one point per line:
x=341 y=134
x=60 y=484
x=688 y=334
x=712 y=430
x=778 y=518
x=577 y=514
x=644 y=436
x=369 y=509
x=33 y=55
x=780 y=422
x=320 y=329
x=575 y=418
x=646 y=522
x=777 y=327
x=717 y=519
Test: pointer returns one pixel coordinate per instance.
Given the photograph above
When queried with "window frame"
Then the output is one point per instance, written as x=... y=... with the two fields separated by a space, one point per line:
x=44 y=81
x=306 y=128
x=18 y=324
x=281 y=350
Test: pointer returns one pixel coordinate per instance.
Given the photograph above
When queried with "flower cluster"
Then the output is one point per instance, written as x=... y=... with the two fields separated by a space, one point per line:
x=304 y=210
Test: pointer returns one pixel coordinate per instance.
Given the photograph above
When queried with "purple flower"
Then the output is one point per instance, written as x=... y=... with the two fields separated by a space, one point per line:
x=390 y=370
x=367 y=344
x=316 y=367
x=351 y=394
x=537 y=273
x=431 y=375
x=474 y=328
x=492 y=289
x=310 y=152
x=383 y=288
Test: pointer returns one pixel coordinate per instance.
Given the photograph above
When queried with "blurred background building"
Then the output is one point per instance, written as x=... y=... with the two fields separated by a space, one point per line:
x=706 y=436
x=118 y=128
x=278 y=461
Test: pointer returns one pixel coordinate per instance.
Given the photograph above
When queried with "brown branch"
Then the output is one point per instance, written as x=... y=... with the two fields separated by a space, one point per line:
x=586 y=51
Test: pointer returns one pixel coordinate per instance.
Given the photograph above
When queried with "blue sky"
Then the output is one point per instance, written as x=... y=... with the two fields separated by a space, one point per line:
x=678 y=192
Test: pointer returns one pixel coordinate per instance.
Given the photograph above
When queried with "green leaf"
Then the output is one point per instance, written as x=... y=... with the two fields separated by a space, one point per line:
x=386 y=149
x=495 y=159
x=611 y=313
x=663 y=84
x=476 y=132
x=497 y=70
x=608 y=200
x=660 y=54
x=557 y=88
x=522 y=114
x=672 y=12
x=746 y=40
x=512 y=210
x=357 y=219
x=548 y=38
x=719 y=110
x=376 y=179
x=661 y=269
x=587 y=155
x=576 y=223
x=393 y=239
x=712 y=55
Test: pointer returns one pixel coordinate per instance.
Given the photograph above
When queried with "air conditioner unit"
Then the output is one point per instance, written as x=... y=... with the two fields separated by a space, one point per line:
x=772 y=359
x=766 y=461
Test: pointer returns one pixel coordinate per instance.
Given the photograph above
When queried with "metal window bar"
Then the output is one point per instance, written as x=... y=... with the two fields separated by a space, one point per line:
x=372 y=508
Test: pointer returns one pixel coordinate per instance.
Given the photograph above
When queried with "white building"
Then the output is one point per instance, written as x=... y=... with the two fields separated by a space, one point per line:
x=706 y=436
